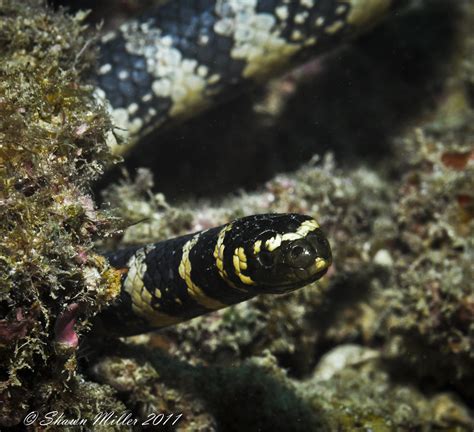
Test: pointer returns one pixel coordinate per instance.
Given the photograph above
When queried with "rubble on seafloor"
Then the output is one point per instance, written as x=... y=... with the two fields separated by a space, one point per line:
x=384 y=342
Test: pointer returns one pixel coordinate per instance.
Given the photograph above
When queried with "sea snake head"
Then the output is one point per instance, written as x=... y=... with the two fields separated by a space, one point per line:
x=280 y=253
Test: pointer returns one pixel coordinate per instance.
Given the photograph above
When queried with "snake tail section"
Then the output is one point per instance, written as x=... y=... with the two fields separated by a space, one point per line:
x=178 y=279
x=187 y=55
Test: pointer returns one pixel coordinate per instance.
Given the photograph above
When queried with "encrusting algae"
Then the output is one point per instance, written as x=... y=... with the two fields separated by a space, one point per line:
x=51 y=149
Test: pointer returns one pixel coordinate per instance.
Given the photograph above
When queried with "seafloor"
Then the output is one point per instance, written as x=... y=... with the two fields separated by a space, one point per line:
x=375 y=140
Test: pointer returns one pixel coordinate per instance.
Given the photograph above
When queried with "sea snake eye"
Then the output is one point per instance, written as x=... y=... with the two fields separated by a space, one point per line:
x=301 y=255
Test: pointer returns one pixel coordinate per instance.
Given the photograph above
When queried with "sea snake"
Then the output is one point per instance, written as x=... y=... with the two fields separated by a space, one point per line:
x=178 y=59
x=178 y=279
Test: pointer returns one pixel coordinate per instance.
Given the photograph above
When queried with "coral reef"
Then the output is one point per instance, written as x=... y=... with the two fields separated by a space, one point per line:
x=431 y=315
x=353 y=390
x=51 y=148
x=383 y=343
x=402 y=278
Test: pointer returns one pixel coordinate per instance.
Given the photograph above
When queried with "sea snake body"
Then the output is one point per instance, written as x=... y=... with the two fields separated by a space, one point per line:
x=187 y=55
x=180 y=58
